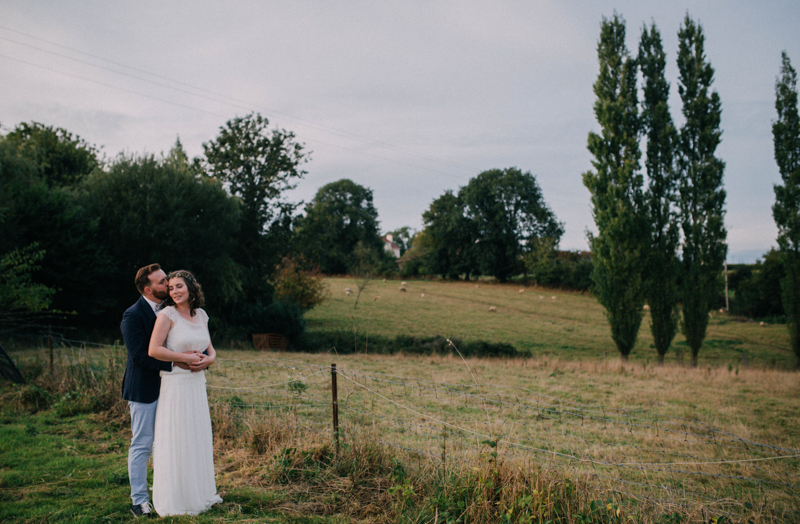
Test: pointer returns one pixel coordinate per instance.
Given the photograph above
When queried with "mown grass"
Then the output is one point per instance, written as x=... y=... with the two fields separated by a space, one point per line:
x=539 y=322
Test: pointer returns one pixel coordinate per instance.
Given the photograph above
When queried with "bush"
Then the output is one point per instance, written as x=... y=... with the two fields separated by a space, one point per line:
x=284 y=318
x=561 y=269
x=296 y=285
x=757 y=288
x=347 y=342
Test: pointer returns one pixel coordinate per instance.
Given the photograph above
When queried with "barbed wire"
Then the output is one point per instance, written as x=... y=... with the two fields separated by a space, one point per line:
x=449 y=421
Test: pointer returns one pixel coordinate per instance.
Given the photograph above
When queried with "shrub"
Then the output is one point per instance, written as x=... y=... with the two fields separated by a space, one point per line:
x=757 y=288
x=348 y=342
x=284 y=318
x=561 y=269
x=299 y=286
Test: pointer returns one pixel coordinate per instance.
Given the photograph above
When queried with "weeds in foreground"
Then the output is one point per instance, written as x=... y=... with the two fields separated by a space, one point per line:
x=370 y=481
x=270 y=460
x=76 y=384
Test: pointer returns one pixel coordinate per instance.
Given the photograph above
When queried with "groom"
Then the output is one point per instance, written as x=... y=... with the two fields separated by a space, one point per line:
x=141 y=383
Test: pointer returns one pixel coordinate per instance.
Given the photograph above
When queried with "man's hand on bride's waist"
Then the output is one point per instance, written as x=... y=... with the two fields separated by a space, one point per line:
x=201 y=364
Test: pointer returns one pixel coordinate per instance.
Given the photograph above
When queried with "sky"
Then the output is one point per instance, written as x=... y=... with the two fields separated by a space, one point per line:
x=407 y=98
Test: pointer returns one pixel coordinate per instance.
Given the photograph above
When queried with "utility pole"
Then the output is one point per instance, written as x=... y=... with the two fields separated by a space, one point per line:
x=727 y=303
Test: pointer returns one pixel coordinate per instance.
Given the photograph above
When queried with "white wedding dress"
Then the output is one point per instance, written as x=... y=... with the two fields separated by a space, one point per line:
x=183 y=453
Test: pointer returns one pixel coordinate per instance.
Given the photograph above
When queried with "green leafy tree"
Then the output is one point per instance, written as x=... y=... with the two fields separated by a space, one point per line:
x=786 y=211
x=63 y=159
x=663 y=267
x=20 y=295
x=541 y=262
x=339 y=216
x=413 y=262
x=41 y=204
x=757 y=287
x=702 y=198
x=619 y=249
x=446 y=243
x=258 y=165
x=507 y=212
x=153 y=209
x=17 y=288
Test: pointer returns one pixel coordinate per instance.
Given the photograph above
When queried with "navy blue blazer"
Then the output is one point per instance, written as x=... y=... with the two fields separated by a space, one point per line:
x=141 y=382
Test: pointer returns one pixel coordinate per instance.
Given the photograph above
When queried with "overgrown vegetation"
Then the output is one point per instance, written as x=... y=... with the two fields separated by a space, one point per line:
x=359 y=341
x=296 y=284
x=63 y=460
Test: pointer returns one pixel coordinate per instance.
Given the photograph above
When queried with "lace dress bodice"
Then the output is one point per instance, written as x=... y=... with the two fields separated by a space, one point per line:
x=186 y=335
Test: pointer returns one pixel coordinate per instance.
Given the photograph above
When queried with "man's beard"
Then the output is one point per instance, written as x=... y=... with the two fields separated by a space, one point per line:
x=161 y=295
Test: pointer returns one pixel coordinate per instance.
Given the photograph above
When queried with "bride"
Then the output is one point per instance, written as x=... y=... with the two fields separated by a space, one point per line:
x=183 y=454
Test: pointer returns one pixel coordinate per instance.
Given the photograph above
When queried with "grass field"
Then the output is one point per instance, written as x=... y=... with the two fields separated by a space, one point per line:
x=540 y=322
x=440 y=438
x=57 y=467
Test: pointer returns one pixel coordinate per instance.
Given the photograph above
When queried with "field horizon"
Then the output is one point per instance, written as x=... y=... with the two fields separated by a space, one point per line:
x=537 y=321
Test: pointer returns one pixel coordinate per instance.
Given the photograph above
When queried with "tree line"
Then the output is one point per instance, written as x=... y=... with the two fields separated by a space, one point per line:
x=74 y=227
x=661 y=238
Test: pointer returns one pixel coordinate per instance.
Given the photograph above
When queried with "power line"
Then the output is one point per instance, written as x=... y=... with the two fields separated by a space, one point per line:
x=232 y=101
x=110 y=85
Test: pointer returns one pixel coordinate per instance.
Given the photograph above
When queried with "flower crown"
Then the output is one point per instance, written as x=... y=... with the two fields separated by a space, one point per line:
x=185 y=275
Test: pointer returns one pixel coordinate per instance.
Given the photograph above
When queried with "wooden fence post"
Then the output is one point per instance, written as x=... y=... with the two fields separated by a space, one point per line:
x=50 y=345
x=335 y=406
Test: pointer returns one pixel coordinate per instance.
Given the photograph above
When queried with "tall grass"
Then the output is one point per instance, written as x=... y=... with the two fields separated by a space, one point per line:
x=79 y=381
x=288 y=456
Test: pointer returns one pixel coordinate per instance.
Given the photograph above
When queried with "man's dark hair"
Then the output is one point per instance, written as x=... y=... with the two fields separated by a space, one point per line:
x=143 y=276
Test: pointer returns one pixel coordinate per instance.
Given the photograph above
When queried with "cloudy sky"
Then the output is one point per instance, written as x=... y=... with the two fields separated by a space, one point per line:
x=409 y=98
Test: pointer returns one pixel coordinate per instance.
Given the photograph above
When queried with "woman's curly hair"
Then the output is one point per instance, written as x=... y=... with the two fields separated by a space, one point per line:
x=196 y=298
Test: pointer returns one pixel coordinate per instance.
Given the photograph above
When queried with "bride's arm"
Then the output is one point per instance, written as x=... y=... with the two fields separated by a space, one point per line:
x=157 y=349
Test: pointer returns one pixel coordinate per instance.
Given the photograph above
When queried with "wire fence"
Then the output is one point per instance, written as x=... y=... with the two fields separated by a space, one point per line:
x=641 y=455
x=676 y=462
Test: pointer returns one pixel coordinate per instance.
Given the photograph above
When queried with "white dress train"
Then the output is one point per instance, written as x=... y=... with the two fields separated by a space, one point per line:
x=183 y=452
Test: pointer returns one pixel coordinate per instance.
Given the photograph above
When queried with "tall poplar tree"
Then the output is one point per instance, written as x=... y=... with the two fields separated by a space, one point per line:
x=702 y=198
x=786 y=211
x=661 y=278
x=619 y=206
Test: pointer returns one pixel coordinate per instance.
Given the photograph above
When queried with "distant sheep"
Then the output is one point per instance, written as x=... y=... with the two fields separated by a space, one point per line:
x=347 y=291
x=493 y=309
x=541 y=297
x=761 y=323
x=403 y=283
x=521 y=291
x=422 y=295
x=402 y=289
x=553 y=297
